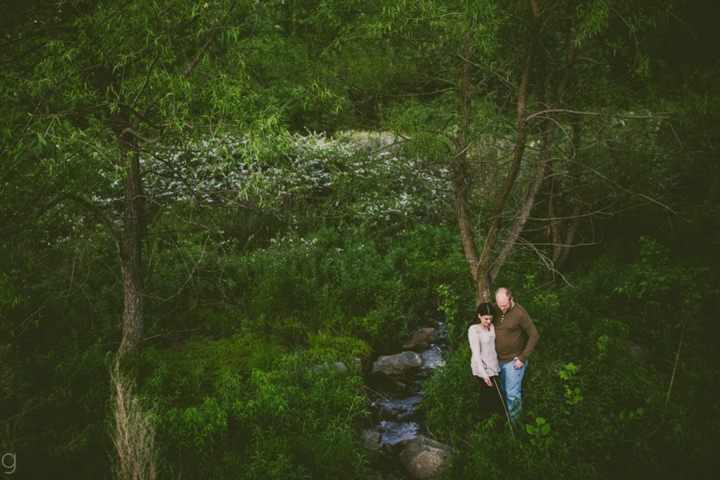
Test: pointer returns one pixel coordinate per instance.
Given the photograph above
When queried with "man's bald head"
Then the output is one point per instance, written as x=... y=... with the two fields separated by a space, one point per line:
x=503 y=298
x=504 y=290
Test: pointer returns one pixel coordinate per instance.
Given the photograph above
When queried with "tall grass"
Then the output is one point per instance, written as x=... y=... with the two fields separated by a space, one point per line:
x=134 y=432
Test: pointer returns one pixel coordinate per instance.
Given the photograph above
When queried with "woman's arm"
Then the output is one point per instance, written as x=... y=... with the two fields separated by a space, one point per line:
x=474 y=339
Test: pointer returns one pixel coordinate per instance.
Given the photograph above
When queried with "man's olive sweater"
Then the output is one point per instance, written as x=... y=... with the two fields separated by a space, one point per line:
x=516 y=334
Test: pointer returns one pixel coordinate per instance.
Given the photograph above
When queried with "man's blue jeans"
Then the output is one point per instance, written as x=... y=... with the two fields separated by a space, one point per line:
x=510 y=384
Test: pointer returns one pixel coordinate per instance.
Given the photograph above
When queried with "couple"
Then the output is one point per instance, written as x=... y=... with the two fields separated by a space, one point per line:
x=501 y=341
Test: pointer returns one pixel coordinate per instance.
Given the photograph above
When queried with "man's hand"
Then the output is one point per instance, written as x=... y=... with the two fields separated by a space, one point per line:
x=488 y=381
x=518 y=364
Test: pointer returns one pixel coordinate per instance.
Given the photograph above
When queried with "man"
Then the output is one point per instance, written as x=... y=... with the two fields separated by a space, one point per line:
x=516 y=337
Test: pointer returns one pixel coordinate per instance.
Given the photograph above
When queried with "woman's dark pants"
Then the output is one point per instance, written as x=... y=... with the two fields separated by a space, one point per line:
x=490 y=399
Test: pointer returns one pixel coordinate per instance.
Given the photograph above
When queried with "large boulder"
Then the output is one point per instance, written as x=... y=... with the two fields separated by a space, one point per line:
x=397 y=364
x=425 y=458
x=420 y=339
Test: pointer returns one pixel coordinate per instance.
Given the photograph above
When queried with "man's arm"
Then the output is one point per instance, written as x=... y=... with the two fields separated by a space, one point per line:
x=528 y=326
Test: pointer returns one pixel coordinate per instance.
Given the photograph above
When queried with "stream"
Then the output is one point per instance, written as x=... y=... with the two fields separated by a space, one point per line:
x=394 y=413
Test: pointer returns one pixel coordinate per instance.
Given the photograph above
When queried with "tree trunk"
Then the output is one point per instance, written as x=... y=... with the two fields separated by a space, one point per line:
x=131 y=247
x=518 y=222
x=483 y=279
x=459 y=166
x=548 y=135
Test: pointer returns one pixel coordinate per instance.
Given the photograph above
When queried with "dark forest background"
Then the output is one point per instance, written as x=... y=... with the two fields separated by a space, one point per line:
x=202 y=201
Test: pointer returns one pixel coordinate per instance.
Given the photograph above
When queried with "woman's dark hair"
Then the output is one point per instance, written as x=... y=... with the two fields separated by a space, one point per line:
x=485 y=309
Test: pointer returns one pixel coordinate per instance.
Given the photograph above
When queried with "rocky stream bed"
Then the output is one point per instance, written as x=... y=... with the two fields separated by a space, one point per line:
x=396 y=441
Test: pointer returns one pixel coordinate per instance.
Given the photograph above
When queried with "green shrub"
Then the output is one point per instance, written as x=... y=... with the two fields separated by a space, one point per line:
x=186 y=376
x=325 y=347
x=296 y=421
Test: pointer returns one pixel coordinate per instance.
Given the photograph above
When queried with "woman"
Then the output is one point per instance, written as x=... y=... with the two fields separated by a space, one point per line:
x=484 y=360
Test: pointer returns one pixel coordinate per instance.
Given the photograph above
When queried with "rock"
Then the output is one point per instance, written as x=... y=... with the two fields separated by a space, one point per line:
x=425 y=458
x=420 y=339
x=397 y=364
x=388 y=449
x=371 y=444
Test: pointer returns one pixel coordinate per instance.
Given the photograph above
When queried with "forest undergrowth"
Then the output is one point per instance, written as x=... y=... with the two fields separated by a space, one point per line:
x=238 y=376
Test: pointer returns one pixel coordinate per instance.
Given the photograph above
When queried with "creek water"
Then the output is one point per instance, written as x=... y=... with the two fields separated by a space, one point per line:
x=394 y=409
